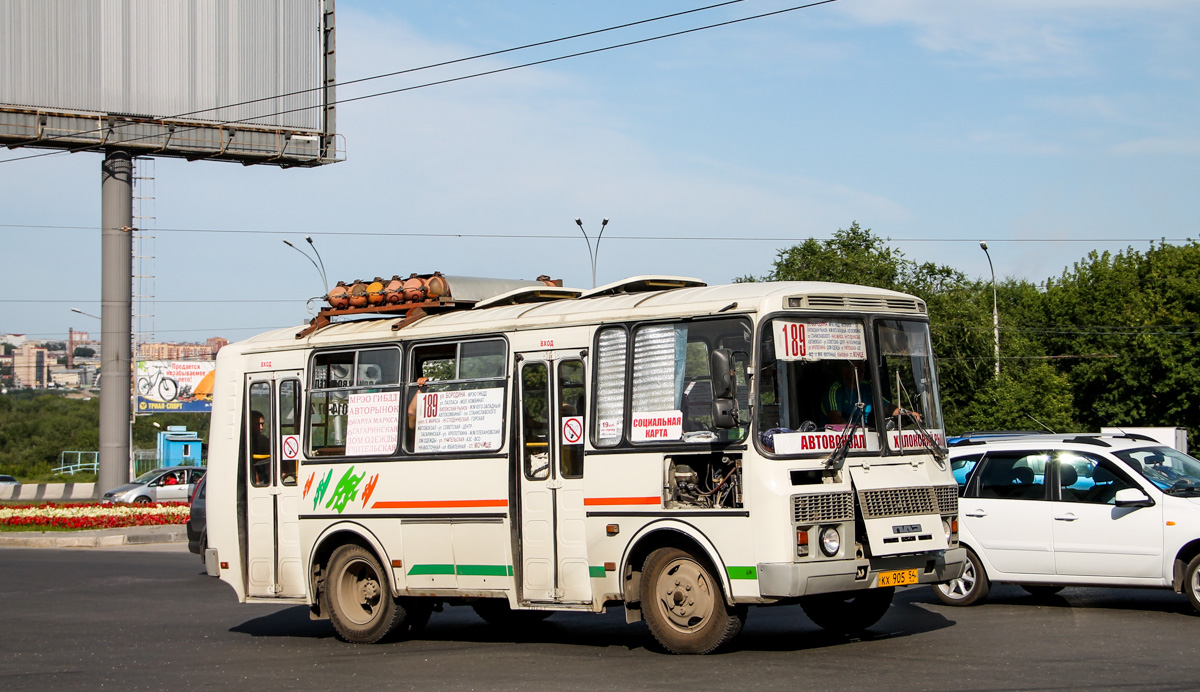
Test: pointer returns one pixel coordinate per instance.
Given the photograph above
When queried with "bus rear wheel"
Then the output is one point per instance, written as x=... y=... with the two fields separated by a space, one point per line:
x=357 y=597
x=683 y=604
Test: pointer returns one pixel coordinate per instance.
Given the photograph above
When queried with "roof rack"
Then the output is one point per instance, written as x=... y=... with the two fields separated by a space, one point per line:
x=417 y=296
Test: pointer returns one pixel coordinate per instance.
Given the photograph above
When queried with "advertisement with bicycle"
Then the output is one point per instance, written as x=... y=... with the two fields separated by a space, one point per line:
x=174 y=386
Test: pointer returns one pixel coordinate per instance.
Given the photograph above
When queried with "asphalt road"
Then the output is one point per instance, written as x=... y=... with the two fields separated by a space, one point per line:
x=149 y=619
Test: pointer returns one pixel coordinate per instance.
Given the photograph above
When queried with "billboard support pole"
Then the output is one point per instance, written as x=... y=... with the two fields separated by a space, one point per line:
x=116 y=318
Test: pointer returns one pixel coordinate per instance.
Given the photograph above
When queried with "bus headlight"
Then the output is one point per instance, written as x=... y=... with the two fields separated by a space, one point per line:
x=947 y=529
x=831 y=541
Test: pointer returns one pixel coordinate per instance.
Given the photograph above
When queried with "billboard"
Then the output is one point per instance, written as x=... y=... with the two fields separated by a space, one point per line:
x=235 y=80
x=174 y=386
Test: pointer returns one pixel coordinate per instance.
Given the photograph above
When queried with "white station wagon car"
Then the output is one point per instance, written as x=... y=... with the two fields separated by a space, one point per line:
x=1048 y=511
x=166 y=484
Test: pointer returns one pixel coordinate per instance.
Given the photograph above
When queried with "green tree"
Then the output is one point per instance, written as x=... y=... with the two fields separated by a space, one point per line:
x=1124 y=327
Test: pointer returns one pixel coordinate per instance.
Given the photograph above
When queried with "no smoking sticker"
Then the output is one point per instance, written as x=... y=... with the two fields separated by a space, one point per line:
x=291 y=447
x=572 y=430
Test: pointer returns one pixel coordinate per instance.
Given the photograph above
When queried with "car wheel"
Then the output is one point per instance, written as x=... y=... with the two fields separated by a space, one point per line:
x=358 y=598
x=683 y=604
x=141 y=500
x=849 y=612
x=203 y=546
x=1191 y=582
x=971 y=587
x=1042 y=590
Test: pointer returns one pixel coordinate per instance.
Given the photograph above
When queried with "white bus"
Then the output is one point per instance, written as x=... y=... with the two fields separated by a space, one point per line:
x=684 y=451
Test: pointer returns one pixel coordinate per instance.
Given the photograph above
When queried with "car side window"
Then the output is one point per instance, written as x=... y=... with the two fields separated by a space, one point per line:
x=1011 y=475
x=962 y=467
x=1089 y=479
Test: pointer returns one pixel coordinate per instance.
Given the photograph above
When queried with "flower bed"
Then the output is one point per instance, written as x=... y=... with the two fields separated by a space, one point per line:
x=78 y=516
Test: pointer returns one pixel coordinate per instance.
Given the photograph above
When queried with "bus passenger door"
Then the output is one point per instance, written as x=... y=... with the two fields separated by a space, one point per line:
x=272 y=438
x=553 y=546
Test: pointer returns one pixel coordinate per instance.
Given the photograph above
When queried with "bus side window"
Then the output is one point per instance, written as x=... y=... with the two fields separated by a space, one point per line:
x=611 y=356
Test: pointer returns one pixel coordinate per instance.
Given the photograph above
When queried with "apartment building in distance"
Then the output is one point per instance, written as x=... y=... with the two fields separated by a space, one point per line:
x=188 y=351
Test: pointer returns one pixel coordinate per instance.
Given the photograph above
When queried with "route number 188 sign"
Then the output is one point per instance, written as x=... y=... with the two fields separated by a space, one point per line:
x=819 y=340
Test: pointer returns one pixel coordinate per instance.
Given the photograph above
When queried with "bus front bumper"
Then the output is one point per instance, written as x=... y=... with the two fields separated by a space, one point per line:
x=791 y=579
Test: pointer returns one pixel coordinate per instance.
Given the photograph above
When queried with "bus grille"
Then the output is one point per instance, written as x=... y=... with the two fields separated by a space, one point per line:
x=947 y=499
x=898 y=502
x=823 y=508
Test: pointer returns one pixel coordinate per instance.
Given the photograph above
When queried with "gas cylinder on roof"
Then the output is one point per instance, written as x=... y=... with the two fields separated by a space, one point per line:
x=375 y=291
x=414 y=289
x=436 y=286
x=339 y=296
x=393 y=291
x=358 y=294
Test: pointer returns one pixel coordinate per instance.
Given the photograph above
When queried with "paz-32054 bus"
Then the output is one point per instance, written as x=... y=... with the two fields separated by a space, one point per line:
x=681 y=450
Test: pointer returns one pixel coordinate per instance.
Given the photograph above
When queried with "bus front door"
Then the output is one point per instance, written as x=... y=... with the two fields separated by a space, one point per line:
x=272 y=426
x=552 y=549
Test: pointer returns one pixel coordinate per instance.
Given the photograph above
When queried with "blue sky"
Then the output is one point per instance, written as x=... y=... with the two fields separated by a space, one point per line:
x=950 y=121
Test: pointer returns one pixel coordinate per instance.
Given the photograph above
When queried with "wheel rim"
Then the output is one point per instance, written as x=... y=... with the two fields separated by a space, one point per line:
x=685 y=595
x=963 y=586
x=1196 y=585
x=358 y=592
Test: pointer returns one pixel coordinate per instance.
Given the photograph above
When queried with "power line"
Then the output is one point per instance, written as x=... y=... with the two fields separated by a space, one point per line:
x=452 y=79
x=534 y=236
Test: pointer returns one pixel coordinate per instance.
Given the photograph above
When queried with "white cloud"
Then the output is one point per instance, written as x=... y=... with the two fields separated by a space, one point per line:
x=1045 y=36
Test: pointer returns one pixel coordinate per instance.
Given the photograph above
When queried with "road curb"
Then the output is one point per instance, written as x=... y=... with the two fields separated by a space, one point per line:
x=98 y=538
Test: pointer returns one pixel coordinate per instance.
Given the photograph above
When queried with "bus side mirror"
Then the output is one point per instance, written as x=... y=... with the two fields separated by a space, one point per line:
x=724 y=384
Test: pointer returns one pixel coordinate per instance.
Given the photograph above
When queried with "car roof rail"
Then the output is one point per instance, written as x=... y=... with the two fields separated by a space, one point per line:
x=1135 y=436
x=1088 y=440
x=966 y=443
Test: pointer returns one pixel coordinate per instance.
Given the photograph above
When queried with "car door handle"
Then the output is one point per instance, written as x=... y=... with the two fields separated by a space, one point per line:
x=1066 y=517
x=977 y=513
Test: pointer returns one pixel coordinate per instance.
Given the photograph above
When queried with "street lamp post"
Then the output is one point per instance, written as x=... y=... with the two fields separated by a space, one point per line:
x=594 y=256
x=995 y=307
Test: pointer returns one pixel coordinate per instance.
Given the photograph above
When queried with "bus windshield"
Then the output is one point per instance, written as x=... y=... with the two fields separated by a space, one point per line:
x=816 y=376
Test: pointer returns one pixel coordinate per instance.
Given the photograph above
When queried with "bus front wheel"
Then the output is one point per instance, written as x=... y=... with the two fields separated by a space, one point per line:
x=357 y=597
x=850 y=612
x=683 y=604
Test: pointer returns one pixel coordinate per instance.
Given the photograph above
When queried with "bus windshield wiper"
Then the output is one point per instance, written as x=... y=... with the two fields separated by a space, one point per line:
x=837 y=458
x=926 y=438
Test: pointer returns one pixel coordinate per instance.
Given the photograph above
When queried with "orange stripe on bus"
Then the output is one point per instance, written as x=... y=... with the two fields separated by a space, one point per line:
x=428 y=504
x=623 y=500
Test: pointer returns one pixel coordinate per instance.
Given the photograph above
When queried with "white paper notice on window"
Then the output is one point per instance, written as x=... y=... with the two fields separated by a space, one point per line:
x=819 y=340
x=466 y=420
x=373 y=421
x=653 y=426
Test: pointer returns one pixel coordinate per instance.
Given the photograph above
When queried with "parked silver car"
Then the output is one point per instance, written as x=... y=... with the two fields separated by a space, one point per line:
x=169 y=484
